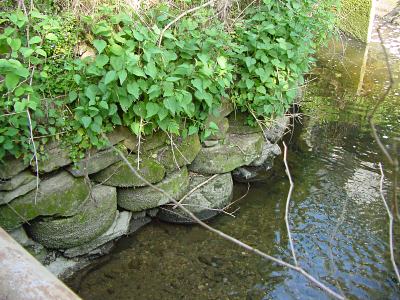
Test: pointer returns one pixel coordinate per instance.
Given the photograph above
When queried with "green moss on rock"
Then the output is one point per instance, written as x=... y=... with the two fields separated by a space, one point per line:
x=60 y=195
x=94 y=218
x=174 y=184
x=120 y=175
x=354 y=18
x=182 y=153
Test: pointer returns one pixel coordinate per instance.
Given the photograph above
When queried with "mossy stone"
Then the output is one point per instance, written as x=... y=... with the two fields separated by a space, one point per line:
x=56 y=157
x=174 y=184
x=237 y=124
x=12 y=167
x=182 y=153
x=147 y=143
x=60 y=195
x=237 y=151
x=203 y=202
x=93 y=219
x=120 y=175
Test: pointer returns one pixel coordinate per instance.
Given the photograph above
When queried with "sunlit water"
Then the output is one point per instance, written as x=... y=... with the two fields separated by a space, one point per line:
x=339 y=223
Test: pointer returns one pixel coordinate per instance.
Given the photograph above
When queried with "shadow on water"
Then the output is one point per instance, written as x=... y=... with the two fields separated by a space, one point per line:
x=339 y=222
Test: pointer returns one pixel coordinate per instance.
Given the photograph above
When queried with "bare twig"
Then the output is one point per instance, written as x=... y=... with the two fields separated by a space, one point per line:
x=289 y=196
x=392 y=258
x=180 y=17
x=226 y=236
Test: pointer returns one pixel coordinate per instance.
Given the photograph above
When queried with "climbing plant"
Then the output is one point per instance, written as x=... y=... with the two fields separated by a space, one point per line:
x=132 y=73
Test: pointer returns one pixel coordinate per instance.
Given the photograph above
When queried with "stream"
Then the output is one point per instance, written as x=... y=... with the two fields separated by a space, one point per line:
x=338 y=220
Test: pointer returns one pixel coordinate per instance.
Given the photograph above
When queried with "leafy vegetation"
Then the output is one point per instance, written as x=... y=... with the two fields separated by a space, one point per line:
x=125 y=78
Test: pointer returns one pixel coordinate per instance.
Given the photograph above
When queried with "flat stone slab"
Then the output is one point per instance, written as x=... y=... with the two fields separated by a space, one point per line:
x=237 y=151
x=16 y=181
x=120 y=175
x=95 y=163
x=174 y=184
x=147 y=143
x=56 y=157
x=60 y=195
x=119 y=228
x=205 y=202
x=94 y=218
x=12 y=167
x=6 y=197
x=182 y=153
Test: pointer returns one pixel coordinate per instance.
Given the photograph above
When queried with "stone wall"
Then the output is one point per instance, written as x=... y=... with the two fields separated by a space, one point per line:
x=354 y=18
x=80 y=210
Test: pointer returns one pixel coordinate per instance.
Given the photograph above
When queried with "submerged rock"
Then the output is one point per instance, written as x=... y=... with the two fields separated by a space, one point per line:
x=120 y=175
x=23 y=183
x=182 y=153
x=60 y=195
x=93 y=219
x=174 y=184
x=95 y=163
x=205 y=202
x=119 y=228
x=237 y=151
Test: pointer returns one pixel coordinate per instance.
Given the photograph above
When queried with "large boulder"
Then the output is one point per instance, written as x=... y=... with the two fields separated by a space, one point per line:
x=204 y=202
x=120 y=174
x=236 y=151
x=119 y=228
x=17 y=186
x=95 y=163
x=181 y=153
x=60 y=195
x=174 y=184
x=94 y=218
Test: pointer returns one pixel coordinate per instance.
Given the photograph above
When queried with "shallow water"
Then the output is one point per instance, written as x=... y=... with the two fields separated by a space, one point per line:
x=338 y=220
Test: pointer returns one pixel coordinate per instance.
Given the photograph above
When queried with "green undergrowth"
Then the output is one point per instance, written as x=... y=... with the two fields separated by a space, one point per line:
x=76 y=77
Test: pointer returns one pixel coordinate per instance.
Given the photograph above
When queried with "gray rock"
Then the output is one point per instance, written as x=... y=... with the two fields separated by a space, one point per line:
x=118 y=135
x=16 y=181
x=269 y=152
x=120 y=175
x=237 y=151
x=118 y=228
x=226 y=107
x=12 y=167
x=95 y=163
x=56 y=157
x=174 y=184
x=210 y=144
x=60 y=195
x=205 y=202
x=152 y=212
x=237 y=124
x=136 y=224
x=63 y=267
x=93 y=219
x=19 y=235
x=277 y=129
x=223 y=126
x=6 y=197
x=147 y=143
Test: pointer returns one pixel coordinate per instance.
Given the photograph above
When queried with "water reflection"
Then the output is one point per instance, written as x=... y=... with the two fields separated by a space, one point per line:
x=338 y=220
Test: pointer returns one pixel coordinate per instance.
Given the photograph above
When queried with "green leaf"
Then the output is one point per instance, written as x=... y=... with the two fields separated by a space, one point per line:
x=151 y=70
x=136 y=70
x=138 y=36
x=135 y=127
x=100 y=45
x=51 y=36
x=117 y=62
x=15 y=44
x=11 y=81
x=86 y=121
x=103 y=104
x=117 y=49
x=213 y=126
x=35 y=40
x=122 y=76
x=41 y=52
x=91 y=92
x=193 y=129
x=222 y=62
x=133 y=89
x=172 y=79
x=152 y=109
x=110 y=77
x=249 y=83
x=101 y=60
x=72 y=96
x=19 y=107
x=26 y=52
x=261 y=89
x=171 y=104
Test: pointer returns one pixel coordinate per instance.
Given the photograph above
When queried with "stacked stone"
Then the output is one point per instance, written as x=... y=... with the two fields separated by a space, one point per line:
x=79 y=210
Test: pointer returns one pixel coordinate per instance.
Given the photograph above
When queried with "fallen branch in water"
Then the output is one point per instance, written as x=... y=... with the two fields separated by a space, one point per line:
x=391 y=244
x=226 y=236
